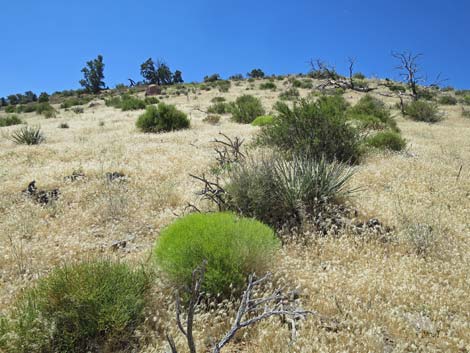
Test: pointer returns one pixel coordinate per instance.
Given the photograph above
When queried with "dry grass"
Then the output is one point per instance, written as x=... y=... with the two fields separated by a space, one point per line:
x=374 y=296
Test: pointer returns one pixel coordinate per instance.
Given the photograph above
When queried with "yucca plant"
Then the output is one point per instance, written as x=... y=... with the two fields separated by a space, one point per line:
x=28 y=135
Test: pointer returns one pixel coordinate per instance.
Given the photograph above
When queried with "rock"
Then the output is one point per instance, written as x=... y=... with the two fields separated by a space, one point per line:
x=42 y=197
x=153 y=90
x=114 y=176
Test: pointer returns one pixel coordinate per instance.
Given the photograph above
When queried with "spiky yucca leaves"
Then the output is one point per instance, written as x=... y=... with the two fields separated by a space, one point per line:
x=28 y=135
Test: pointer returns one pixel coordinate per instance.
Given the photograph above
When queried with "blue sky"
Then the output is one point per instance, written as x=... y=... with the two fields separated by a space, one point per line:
x=46 y=43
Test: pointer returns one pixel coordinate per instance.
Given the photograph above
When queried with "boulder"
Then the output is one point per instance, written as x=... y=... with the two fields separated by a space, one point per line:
x=153 y=90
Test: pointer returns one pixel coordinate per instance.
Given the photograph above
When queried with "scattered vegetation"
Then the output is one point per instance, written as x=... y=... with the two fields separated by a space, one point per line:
x=233 y=247
x=372 y=114
x=126 y=102
x=89 y=307
x=219 y=107
x=10 y=120
x=268 y=85
x=246 y=108
x=212 y=119
x=162 y=118
x=448 y=100
x=290 y=94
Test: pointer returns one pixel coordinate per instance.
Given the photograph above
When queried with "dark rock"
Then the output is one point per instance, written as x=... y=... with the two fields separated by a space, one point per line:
x=153 y=90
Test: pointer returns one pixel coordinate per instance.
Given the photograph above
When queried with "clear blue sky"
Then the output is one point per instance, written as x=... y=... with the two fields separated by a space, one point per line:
x=46 y=43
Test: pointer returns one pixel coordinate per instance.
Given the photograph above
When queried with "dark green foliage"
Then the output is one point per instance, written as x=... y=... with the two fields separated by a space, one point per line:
x=45 y=109
x=10 y=120
x=10 y=109
x=447 y=100
x=28 y=135
x=314 y=129
x=423 y=111
x=246 y=108
x=212 y=78
x=275 y=190
x=63 y=126
x=177 y=77
x=218 y=100
x=219 y=108
x=93 y=75
x=359 y=76
x=89 y=307
x=236 y=77
x=256 y=73
x=426 y=93
x=223 y=85
x=159 y=74
x=3 y=102
x=372 y=113
x=263 y=120
x=233 y=247
x=466 y=99
x=396 y=87
x=268 y=85
x=126 y=102
x=74 y=101
x=290 y=94
x=162 y=118
x=151 y=100
x=43 y=97
x=386 y=140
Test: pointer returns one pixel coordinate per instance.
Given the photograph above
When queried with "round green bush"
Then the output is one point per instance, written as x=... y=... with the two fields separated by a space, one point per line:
x=233 y=247
x=246 y=108
x=88 y=307
x=387 y=140
x=263 y=120
x=163 y=117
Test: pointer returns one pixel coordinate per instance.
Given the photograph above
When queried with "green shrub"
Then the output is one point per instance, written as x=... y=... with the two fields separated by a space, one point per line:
x=10 y=109
x=465 y=99
x=74 y=101
x=263 y=120
x=151 y=100
x=423 y=111
x=10 y=120
x=396 y=87
x=26 y=108
x=45 y=109
x=290 y=94
x=219 y=108
x=359 y=76
x=113 y=102
x=275 y=190
x=78 y=110
x=373 y=113
x=447 y=100
x=386 y=140
x=246 y=108
x=315 y=129
x=89 y=307
x=63 y=126
x=161 y=118
x=218 y=100
x=126 y=102
x=43 y=97
x=212 y=119
x=233 y=247
x=28 y=135
x=268 y=85
x=465 y=113
x=212 y=78
x=223 y=85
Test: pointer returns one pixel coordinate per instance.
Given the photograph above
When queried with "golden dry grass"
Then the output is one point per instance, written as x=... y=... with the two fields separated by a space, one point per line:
x=376 y=296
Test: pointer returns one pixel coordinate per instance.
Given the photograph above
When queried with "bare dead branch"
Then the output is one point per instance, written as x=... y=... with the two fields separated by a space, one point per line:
x=229 y=151
x=212 y=191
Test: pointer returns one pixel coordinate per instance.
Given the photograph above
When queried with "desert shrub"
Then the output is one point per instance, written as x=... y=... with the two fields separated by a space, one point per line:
x=236 y=77
x=26 y=108
x=447 y=100
x=88 y=307
x=315 y=129
x=43 y=97
x=246 y=108
x=465 y=99
x=263 y=120
x=219 y=108
x=218 y=100
x=426 y=93
x=10 y=120
x=28 y=135
x=290 y=94
x=373 y=113
x=10 y=109
x=277 y=190
x=151 y=100
x=423 y=111
x=63 y=126
x=126 y=102
x=74 y=101
x=223 y=85
x=212 y=78
x=359 y=76
x=45 y=109
x=268 y=85
x=212 y=119
x=256 y=73
x=386 y=140
x=465 y=113
x=233 y=247
x=161 y=118
x=396 y=87
x=78 y=110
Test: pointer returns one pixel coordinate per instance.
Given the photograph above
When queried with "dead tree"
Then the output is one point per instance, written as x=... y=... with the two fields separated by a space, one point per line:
x=409 y=70
x=228 y=151
x=250 y=311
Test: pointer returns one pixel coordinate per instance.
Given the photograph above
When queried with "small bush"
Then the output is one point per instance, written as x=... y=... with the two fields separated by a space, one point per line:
x=447 y=100
x=78 y=110
x=223 y=85
x=212 y=78
x=90 y=307
x=126 y=102
x=45 y=109
x=387 y=140
x=212 y=119
x=233 y=247
x=63 y=126
x=219 y=108
x=359 y=76
x=290 y=94
x=423 y=111
x=151 y=100
x=268 y=85
x=74 y=101
x=10 y=109
x=372 y=111
x=465 y=113
x=465 y=99
x=218 y=100
x=28 y=135
x=316 y=129
x=10 y=120
x=162 y=118
x=263 y=120
x=275 y=190
x=246 y=108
